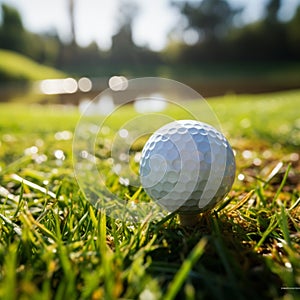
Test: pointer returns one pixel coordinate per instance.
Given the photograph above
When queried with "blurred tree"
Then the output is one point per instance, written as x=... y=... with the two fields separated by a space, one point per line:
x=44 y=49
x=274 y=33
x=123 y=49
x=72 y=21
x=293 y=34
x=264 y=40
x=210 y=18
x=272 y=9
x=124 y=53
x=13 y=36
x=12 y=33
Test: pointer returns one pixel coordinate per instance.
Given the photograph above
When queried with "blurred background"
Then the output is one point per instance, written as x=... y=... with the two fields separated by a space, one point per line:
x=68 y=50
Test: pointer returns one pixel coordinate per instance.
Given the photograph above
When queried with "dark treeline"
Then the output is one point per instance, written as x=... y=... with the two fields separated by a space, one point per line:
x=42 y=48
x=266 y=40
x=269 y=39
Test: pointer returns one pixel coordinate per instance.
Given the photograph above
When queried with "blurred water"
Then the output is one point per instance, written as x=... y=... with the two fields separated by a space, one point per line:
x=71 y=91
x=105 y=93
x=68 y=91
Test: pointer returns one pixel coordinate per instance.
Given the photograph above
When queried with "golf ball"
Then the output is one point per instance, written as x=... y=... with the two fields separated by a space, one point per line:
x=187 y=166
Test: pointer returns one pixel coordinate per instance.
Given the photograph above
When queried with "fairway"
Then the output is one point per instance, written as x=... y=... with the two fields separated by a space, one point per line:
x=55 y=245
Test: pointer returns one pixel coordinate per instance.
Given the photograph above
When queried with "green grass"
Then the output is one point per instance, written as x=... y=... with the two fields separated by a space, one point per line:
x=54 y=245
x=17 y=67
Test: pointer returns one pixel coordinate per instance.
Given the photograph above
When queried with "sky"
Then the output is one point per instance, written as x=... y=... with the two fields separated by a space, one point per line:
x=97 y=20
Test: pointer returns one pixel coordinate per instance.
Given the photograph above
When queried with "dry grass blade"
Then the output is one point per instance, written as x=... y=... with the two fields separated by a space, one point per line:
x=33 y=185
x=17 y=229
x=6 y=194
x=243 y=201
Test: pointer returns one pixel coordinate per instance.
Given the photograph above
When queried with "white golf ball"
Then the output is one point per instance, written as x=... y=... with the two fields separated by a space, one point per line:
x=187 y=166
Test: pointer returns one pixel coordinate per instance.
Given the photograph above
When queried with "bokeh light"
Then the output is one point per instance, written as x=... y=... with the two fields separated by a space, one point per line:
x=118 y=83
x=85 y=84
x=58 y=86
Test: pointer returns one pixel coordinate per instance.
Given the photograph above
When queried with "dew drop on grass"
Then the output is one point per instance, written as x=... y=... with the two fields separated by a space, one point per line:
x=39 y=143
x=110 y=161
x=124 y=157
x=59 y=154
x=84 y=154
x=294 y=156
x=137 y=157
x=247 y=154
x=40 y=158
x=31 y=150
x=267 y=154
x=288 y=265
x=117 y=168
x=147 y=295
x=257 y=161
x=123 y=133
x=63 y=135
x=60 y=157
x=241 y=177
x=245 y=123
x=54 y=171
x=124 y=181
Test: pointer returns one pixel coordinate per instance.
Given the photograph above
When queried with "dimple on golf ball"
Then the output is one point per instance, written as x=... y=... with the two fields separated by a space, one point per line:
x=187 y=166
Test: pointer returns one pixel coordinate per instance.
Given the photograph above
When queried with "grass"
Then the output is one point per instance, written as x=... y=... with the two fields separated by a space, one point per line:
x=17 y=67
x=54 y=245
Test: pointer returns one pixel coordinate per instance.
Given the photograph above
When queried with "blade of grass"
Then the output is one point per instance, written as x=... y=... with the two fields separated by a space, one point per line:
x=20 y=202
x=165 y=219
x=42 y=228
x=93 y=216
x=224 y=204
x=282 y=184
x=135 y=195
x=260 y=193
x=10 y=275
x=273 y=173
x=16 y=165
x=17 y=229
x=297 y=202
x=33 y=185
x=283 y=224
x=243 y=201
x=272 y=225
x=222 y=250
x=184 y=270
x=106 y=257
x=67 y=286
x=6 y=194
x=80 y=222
